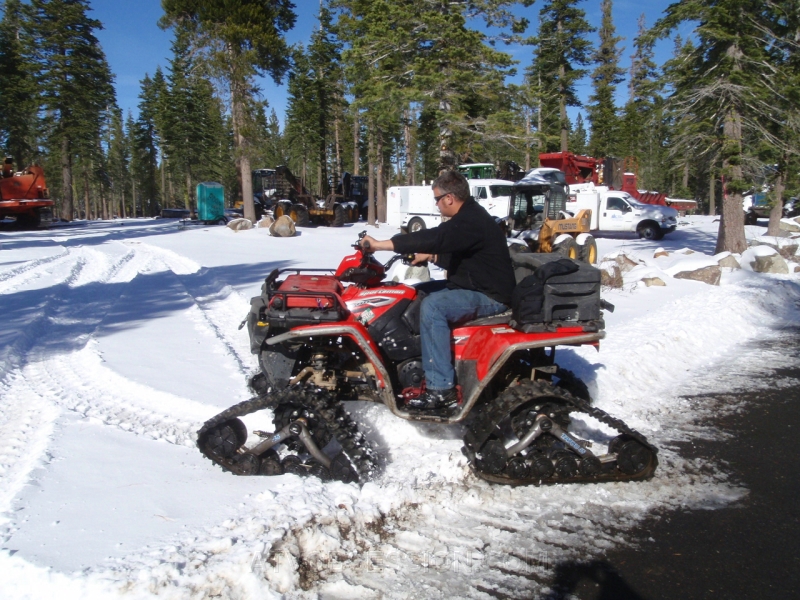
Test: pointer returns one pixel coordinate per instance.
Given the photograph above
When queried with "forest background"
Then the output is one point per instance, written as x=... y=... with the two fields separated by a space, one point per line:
x=398 y=91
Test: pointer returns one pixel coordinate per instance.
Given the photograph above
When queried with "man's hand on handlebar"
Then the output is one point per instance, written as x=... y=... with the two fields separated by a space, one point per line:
x=370 y=244
x=420 y=258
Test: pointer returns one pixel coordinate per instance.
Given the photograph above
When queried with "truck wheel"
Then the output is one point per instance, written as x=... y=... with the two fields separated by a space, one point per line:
x=650 y=231
x=587 y=249
x=416 y=224
x=750 y=218
x=29 y=220
x=567 y=248
x=339 y=217
x=281 y=208
x=299 y=214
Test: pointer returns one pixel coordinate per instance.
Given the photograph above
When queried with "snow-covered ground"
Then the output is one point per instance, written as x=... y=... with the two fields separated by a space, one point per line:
x=118 y=339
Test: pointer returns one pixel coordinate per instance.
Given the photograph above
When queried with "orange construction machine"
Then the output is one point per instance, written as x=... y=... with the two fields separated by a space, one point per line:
x=611 y=172
x=24 y=196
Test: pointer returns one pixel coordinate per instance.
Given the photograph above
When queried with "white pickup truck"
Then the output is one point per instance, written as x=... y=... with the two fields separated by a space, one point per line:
x=614 y=210
x=418 y=210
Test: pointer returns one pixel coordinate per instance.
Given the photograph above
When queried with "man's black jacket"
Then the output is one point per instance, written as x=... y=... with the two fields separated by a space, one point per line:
x=471 y=247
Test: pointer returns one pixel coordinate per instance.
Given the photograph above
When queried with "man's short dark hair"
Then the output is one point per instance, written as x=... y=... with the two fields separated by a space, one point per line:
x=453 y=182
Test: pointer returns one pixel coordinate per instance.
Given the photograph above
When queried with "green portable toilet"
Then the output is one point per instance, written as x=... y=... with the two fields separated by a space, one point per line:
x=210 y=201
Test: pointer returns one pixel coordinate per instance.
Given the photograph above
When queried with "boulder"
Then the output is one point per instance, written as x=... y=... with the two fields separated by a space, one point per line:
x=770 y=263
x=788 y=252
x=625 y=262
x=650 y=281
x=282 y=227
x=611 y=276
x=790 y=224
x=660 y=252
x=265 y=221
x=730 y=262
x=709 y=275
x=240 y=224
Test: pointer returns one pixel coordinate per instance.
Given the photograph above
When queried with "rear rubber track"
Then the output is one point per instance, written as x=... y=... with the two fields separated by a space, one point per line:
x=528 y=392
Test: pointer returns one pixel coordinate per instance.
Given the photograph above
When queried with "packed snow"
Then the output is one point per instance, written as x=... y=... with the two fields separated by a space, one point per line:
x=119 y=339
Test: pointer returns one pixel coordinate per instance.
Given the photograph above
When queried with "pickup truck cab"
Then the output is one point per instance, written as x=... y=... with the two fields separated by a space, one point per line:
x=614 y=210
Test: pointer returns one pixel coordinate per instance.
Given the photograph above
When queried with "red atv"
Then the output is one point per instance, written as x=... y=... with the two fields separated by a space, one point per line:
x=324 y=337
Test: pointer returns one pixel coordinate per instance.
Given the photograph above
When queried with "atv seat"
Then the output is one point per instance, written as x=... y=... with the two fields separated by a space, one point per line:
x=501 y=319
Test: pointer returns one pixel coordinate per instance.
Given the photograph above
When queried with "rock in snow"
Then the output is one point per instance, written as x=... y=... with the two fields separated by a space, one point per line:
x=709 y=275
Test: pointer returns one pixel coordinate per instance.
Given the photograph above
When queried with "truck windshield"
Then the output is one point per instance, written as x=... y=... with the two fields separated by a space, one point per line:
x=501 y=190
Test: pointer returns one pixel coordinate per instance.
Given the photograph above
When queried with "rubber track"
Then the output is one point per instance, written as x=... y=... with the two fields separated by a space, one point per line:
x=490 y=414
x=321 y=402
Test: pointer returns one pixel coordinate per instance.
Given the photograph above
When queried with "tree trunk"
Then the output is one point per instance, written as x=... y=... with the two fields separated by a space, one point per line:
x=539 y=120
x=238 y=93
x=337 y=174
x=164 y=185
x=562 y=101
x=685 y=181
x=86 y=199
x=776 y=213
x=712 y=192
x=370 y=179
x=381 y=192
x=67 y=202
x=731 y=227
x=123 y=212
x=356 y=157
x=407 y=142
x=133 y=196
x=447 y=158
x=187 y=199
x=527 y=141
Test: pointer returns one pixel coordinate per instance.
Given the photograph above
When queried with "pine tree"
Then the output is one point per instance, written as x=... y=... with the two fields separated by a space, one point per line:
x=189 y=124
x=240 y=39
x=577 y=137
x=75 y=81
x=562 y=51
x=18 y=86
x=641 y=125
x=118 y=164
x=145 y=149
x=605 y=78
x=726 y=84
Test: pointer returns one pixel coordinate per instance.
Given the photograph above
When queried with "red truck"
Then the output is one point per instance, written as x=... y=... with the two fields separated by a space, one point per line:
x=24 y=196
x=608 y=172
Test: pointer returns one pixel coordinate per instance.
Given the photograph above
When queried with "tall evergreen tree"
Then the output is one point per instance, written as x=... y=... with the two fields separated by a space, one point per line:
x=118 y=164
x=241 y=39
x=641 y=125
x=190 y=125
x=562 y=53
x=76 y=82
x=577 y=138
x=605 y=78
x=18 y=87
x=727 y=84
x=145 y=149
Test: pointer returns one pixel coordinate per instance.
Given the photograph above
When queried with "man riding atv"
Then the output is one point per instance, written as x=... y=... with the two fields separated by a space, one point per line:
x=480 y=280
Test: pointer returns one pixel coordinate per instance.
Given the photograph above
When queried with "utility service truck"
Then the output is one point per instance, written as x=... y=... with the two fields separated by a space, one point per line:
x=417 y=210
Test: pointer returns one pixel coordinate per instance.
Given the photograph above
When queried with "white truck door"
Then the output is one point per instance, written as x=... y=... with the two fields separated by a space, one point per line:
x=481 y=195
x=613 y=211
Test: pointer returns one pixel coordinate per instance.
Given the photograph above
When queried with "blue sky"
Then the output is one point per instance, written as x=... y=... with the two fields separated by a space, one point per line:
x=135 y=46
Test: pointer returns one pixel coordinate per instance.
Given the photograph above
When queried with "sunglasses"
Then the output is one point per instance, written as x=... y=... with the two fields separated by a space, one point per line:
x=437 y=198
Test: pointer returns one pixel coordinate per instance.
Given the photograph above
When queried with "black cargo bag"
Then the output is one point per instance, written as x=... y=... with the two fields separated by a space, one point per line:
x=553 y=291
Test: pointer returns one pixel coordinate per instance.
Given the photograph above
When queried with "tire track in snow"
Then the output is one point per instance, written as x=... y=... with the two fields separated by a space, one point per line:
x=18 y=276
x=26 y=425
x=80 y=382
x=218 y=304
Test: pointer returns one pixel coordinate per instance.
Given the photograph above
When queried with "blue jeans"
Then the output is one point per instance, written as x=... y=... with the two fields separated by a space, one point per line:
x=439 y=310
